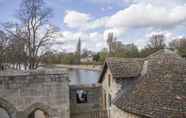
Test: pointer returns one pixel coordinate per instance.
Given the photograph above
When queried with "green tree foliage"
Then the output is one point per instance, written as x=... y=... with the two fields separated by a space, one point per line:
x=69 y=58
x=102 y=55
x=132 y=51
x=52 y=57
x=125 y=51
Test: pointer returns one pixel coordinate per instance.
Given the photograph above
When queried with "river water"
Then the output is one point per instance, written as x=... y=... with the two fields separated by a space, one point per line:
x=80 y=76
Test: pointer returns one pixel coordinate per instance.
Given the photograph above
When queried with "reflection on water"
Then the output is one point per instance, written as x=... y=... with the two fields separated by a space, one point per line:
x=78 y=76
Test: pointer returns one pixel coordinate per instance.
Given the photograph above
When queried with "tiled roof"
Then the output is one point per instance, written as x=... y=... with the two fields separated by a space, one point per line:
x=123 y=67
x=161 y=91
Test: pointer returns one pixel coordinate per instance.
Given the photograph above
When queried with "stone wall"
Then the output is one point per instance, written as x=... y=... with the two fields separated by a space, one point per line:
x=110 y=90
x=94 y=103
x=21 y=94
x=118 y=113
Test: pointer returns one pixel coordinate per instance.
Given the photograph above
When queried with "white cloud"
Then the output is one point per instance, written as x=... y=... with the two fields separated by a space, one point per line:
x=76 y=19
x=143 y=14
x=136 y=15
x=98 y=23
x=158 y=2
x=90 y=40
x=129 y=2
x=148 y=15
x=83 y=21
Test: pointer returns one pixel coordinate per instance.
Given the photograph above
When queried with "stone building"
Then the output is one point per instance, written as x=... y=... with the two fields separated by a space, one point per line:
x=23 y=95
x=152 y=87
x=47 y=94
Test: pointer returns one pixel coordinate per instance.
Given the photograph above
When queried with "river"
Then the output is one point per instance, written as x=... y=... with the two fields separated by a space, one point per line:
x=80 y=76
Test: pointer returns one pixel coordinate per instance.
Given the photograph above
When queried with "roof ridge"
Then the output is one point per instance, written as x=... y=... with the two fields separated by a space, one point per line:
x=122 y=59
x=163 y=51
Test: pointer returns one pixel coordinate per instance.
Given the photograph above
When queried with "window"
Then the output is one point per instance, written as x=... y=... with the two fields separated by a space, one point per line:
x=110 y=100
x=109 y=80
x=81 y=96
x=105 y=100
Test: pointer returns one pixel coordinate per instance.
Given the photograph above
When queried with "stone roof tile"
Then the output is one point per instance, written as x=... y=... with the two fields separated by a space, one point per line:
x=124 y=68
x=161 y=91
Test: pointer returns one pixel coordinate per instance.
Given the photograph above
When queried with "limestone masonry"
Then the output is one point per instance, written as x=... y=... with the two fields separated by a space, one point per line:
x=22 y=93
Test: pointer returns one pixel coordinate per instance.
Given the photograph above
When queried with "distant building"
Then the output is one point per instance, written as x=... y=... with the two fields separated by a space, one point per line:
x=87 y=56
x=152 y=87
x=116 y=46
x=87 y=59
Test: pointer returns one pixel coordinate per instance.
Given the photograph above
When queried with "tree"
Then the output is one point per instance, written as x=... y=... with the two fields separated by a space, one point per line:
x=33 y=27
x=78 y=52
x=103 y=54
x=132 y=51
x=16 y=53
x=156 y=42
x=3 y=47
x=96 y=57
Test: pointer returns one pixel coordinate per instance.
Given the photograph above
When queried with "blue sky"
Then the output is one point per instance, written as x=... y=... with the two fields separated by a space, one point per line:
x=132 y=21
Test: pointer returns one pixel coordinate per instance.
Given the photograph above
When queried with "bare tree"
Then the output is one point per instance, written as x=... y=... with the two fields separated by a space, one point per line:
x=157 y=41
x=33 y=30
x=3 y=47
x=16 y=53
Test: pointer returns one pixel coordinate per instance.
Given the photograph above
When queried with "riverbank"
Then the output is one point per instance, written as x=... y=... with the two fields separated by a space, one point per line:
x=82 y=67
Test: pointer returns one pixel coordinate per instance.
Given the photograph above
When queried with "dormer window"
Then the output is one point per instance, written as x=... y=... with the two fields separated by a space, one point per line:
x=109 y=80
x=110 y=100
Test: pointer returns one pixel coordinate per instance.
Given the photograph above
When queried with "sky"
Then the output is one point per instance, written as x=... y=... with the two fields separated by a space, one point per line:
x=131 y=21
